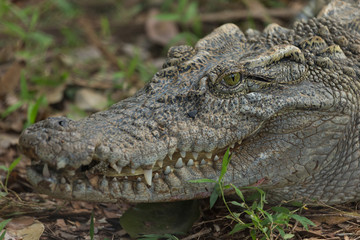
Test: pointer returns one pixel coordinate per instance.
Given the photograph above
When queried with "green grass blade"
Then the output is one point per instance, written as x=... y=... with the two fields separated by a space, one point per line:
x=14 y=163
x=225 y=163
x=2 y=167
x=303 y=220
x=238 y=204
x=203 y=180
x=2 y=226
x=158 y=236
x=191 y=12
x=11 y=167
x=238 y=192
x=42 y=39
x=2 y=236
x=269 y=217
x=168 y=17
x=281 y=210
x=3 y=223
x=253 y=234
x=240 y=227
x=215 y=195
x=11 y=109
x=15 y=30
x=92 y=226
x=33 y=110
x=24 y=92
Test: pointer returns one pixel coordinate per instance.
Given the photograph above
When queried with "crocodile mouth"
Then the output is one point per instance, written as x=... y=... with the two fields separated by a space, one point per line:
x=99 y=176
x=162 y=167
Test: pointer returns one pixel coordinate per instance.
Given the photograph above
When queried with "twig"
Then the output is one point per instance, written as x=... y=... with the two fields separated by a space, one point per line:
x=198 y=234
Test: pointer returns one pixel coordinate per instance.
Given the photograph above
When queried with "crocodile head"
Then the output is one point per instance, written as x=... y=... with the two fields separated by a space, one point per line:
x=283 y=101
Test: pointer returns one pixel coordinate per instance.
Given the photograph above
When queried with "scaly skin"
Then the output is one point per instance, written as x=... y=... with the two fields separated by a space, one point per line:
x=285 y=101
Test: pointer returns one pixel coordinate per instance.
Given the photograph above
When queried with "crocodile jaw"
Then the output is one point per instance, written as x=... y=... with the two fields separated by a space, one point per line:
x=167 y=183
x=63 y=172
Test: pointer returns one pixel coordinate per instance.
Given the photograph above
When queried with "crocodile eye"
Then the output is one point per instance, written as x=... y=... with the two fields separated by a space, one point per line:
x=232 y=80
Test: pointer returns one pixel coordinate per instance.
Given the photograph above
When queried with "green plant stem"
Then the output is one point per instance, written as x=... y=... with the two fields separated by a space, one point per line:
x=227 y=206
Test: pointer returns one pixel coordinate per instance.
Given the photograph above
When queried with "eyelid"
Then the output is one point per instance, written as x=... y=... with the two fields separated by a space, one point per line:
x=229 y=72
x=260 y=79
x=218 y=72
x=275 y=54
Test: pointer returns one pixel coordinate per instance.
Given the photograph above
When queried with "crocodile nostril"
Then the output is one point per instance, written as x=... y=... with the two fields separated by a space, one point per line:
x=62 y=123
x=192 y=114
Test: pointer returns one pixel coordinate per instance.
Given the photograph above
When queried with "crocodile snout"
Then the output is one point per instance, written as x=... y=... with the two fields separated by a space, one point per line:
x=56 y=142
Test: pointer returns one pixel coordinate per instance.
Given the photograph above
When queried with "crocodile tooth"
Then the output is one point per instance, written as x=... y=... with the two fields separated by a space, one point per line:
x=190 y=163
x=208 y=155
x=203 y=162
x=67 y=187
x=148 y=176
x=61 y=163
x=167 y=170
x=239 y=142
x=78 y=187
x=160 y=163
x=232 y=145
x=104 y=185
x=171 y=152
x=156 y=176
x=216 y=158
x=140 y=187
x=63 y=180
x=45 y=171
x=183 y=154
x=52 y=186
x=195 y=155
x=179 y=163
x=116 y=168
x=93 y=180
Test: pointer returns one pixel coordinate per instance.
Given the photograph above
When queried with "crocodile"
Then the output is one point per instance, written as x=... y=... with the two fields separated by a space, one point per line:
x=284 y=101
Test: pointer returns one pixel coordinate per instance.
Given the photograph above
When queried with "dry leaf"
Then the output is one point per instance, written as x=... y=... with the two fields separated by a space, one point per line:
x=25 y=228
x=61 y=223
x=331 y=219
x=90 y=100
x=10 y=77
x=7 y=52
x=160 y=32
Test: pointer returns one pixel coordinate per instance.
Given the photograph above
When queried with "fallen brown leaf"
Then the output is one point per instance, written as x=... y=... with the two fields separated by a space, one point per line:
x=160 y=32
x=25 y=228
x=90 y=100
x=10 y=76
